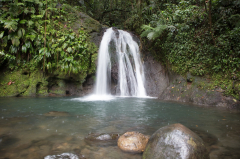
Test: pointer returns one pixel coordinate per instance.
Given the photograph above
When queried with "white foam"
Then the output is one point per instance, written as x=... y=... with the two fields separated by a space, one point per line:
x=95 y=98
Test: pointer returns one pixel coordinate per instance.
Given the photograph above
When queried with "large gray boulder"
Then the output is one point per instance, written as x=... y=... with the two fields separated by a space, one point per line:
x=175 y=142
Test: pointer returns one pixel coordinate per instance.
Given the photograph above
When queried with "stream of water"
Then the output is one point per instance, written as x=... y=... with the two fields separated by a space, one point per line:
x=125 y=55
x=26 y=132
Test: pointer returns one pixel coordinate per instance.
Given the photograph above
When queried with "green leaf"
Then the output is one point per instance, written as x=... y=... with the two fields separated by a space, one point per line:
x=69 y=49
x=20 y=4
x=15 y=41
x=11 y=25
x=30 y=23
x=28 y=44
x=24 y=49
x=55 y=45
x=19 y=33
x=23 y=31
x=32 y=37
x=22 y=21
x=48 y=65
x=13 y=49
x=58 y=49
x=42 y=50
x=64 y=45
x=1 y=35
x=4 y=41
x=48 y=54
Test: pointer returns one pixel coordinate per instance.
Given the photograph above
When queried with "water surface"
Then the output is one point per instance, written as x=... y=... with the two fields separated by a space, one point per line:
x=25 y=132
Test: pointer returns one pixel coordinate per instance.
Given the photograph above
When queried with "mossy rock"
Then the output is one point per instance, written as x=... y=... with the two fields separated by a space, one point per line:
x=19 y=84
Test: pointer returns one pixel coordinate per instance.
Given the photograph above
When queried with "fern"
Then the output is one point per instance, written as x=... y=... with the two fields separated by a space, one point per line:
x=153 y=33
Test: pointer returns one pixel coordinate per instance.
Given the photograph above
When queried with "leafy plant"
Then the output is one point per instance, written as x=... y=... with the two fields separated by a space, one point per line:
x=37 y=34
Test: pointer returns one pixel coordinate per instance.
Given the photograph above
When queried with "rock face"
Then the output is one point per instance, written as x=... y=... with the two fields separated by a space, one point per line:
x=196 y=90
x=166 y=85
x=156 y=76
x=134 y=142
x=175 y=141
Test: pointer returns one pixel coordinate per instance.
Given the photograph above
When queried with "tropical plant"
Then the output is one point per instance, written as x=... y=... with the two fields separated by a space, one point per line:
x=38 y=33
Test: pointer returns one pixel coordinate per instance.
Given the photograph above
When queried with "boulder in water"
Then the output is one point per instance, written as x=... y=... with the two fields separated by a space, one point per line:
x=56 y=113
x=175 y=141
x=134 y=142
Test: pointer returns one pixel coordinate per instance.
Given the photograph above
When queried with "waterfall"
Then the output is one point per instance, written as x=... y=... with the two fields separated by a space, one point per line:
x=127 y=58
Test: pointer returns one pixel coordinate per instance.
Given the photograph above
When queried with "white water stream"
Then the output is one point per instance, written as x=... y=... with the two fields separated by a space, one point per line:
x=130 y=68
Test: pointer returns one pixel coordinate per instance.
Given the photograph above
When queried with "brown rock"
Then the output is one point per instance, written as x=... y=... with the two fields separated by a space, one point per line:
x=133 y=142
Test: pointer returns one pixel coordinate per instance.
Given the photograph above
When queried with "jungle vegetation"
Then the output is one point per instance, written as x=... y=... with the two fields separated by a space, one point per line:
x=37 y=34
x=200 y=37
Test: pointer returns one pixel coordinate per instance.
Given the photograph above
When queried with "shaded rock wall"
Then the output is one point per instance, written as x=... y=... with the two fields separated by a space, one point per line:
x=167 y=85
x=156 y=76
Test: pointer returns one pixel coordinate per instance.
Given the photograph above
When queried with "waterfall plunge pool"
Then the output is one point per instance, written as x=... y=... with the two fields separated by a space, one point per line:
x=26 y=133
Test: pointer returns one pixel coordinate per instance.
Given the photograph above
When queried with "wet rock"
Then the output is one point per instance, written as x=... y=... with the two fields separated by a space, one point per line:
x=175 y=141
x=114 y=73
x=207 y=138
x=102 y=139
x=157 y=79
x=62 y=156
x=134 y=142
x=56 y=113
x=61 y=147
x=144 y=129
x=86 y=152
x=14 y=121
x=7 y=140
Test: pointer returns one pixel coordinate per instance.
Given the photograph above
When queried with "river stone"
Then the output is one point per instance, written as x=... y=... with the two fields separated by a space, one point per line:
x=103 y=139
x=56 y=113
x=62 y=156
x=134 y=142
x=175 y=142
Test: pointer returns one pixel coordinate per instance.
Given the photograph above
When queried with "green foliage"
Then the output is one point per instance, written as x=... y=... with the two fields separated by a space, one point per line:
x=183 y=35
x=37 y=34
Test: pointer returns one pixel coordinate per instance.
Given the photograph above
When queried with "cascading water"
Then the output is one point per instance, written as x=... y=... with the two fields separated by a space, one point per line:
x=130 y=68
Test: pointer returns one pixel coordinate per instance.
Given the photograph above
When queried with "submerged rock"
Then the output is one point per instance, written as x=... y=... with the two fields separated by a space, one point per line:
x=102 y=139
x=56 y=113
x=175 y=141
x=134 y=142
x=62 y=156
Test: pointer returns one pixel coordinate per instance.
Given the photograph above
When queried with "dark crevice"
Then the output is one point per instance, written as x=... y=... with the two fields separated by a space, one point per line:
x=25 y=73
x=38 y=87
